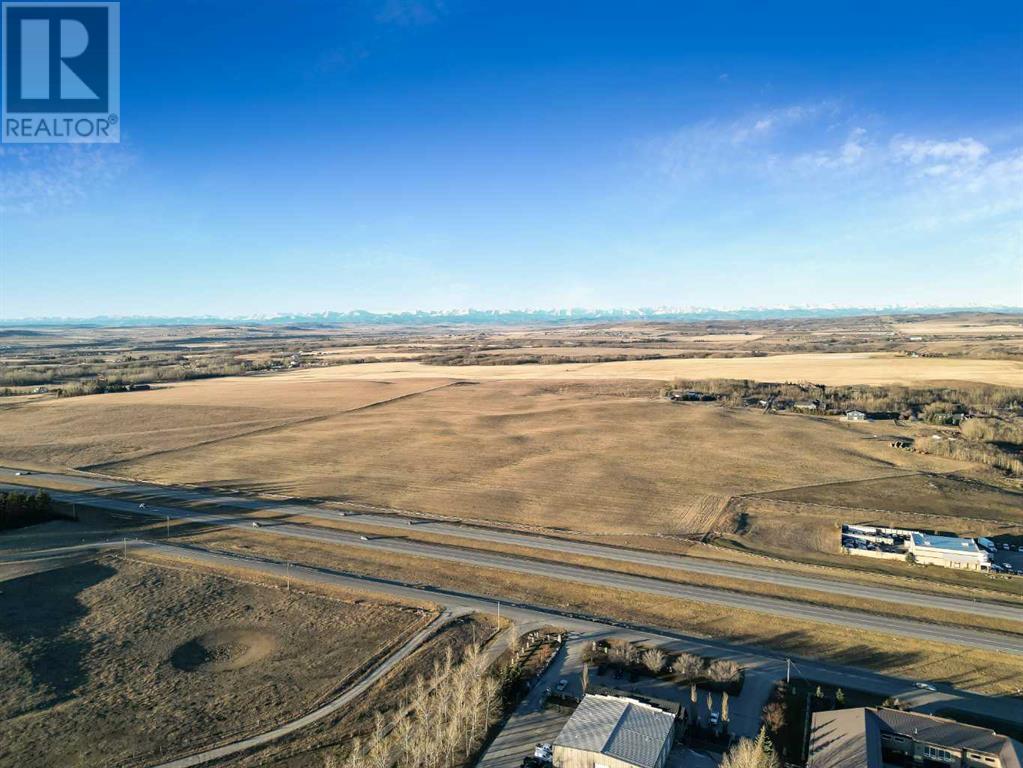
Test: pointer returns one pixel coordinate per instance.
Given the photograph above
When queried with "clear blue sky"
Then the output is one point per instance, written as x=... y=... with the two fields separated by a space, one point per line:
x=415 y=154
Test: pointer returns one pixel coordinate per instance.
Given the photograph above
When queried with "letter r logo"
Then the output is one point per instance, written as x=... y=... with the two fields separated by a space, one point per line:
x=56 y=57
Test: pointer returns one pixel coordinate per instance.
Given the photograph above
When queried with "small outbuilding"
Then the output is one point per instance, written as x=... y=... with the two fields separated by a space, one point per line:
x=855 y=416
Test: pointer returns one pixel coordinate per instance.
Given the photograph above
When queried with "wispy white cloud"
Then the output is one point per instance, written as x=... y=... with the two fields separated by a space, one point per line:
x=915 y=150
x=712 y=147
x=822 y=174
x=39 y=178
x=408 y=13
x=853 y=151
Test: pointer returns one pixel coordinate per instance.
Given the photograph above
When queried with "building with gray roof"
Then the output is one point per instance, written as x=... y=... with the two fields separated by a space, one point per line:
x=870 y=737
x=614 y=732
x=948 y=551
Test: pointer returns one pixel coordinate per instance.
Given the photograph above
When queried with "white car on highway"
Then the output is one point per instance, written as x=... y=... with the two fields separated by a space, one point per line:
x=925 y=686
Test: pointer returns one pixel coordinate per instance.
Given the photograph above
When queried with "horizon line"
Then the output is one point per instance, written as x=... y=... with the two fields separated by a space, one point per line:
x=471 y=314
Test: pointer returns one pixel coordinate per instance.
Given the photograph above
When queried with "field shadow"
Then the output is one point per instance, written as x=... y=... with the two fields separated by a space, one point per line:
x=854 y=655
x=37 y=614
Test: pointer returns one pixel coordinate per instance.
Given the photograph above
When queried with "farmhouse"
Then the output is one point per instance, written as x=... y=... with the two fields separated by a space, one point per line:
x=807 y=405
x=949 y=551
x=614 y=732
x=871 y=737
x=855 y=416
x=690 y=395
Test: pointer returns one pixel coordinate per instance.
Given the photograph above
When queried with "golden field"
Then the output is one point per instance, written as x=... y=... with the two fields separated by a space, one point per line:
x=592 y=457
x=818 y=367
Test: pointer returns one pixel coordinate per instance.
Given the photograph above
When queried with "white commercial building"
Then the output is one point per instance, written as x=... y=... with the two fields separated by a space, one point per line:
x=948 y=551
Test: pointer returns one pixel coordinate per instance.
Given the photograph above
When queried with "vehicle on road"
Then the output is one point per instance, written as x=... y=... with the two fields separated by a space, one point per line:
x=22 y=472
x=364 y=538
x=925 y=686
x=562 y=685
x=543 y=752
x=255 y=524
x=715 y=718
x=142 y=505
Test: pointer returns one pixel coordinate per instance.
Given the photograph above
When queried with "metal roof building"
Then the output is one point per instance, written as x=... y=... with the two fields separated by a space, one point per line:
x=949 y=551
x=875 y=737
x=614 y=732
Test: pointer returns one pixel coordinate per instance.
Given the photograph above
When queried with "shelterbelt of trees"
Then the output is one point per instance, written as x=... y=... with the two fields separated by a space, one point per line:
x=20 y=509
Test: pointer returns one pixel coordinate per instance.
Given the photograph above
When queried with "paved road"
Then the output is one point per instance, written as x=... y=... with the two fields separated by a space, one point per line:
x=586 y=628
x=350 y=695
x=760 y=660
x=1010 y=609
x=919 y=630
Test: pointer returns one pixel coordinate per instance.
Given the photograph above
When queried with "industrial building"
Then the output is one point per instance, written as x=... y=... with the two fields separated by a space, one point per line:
x=615 y=732
x=923 y=548
x=948 y=551
x=870 y=737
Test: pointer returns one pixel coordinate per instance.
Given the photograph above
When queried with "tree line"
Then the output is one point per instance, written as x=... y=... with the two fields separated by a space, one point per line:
x=19 y=509
x=443 y=722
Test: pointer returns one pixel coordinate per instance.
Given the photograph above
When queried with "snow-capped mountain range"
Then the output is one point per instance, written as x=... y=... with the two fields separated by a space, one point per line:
x=503 y=316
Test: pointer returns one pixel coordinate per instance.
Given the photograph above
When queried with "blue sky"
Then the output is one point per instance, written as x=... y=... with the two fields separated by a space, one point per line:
x=414 y=154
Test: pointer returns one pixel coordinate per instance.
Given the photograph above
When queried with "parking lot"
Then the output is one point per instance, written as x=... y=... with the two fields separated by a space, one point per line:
x=1008 y=559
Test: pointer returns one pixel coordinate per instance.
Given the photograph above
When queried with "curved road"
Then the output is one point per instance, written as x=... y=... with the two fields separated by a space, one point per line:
x=329 y=708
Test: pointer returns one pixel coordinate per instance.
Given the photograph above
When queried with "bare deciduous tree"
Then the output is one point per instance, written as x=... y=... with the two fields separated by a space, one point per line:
x=749 y=753
x=653 y=659
x=687 y=666
x=443 y=722
x=723 y=671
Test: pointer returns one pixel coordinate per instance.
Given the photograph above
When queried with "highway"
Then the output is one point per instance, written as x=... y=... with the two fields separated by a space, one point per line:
x=692 y=565
x=918 y=630
x=762 y=661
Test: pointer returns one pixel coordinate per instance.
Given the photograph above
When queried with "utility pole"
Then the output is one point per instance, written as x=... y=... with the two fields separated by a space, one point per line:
x=125 y=549
x=498 y=614
x=788 y=670
x=288 y=570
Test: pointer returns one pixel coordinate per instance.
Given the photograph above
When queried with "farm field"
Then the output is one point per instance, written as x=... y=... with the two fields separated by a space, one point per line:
x=590 y=448
x=540 y=456
x=123 y=658
x=79 y=432
x=822 y=368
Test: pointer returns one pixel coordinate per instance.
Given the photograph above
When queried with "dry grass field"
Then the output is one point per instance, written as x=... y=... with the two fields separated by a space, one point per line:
x=818 y=367
x=82 y=431
x=587 y=447
x=575 y=457
x=103 y=660
x=313 y=745
x=804 y=524
x=942 y=498
x=918 y=660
